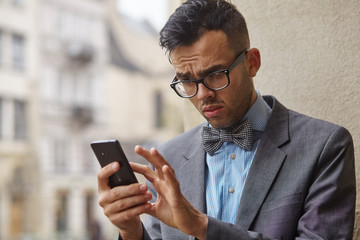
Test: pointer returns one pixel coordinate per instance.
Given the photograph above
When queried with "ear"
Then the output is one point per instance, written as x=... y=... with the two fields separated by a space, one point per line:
x=254 y=61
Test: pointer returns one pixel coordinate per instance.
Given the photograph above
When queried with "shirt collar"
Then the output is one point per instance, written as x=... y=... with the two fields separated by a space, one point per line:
x=259 y=113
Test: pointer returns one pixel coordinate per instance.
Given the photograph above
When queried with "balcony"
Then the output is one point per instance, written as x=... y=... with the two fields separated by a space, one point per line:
x=80 y=52
x=82 y=114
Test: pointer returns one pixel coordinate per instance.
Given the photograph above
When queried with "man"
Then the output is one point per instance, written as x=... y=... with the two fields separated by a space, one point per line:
x=282 y=175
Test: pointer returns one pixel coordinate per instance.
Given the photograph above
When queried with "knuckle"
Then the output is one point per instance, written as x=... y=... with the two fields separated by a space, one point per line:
x=148 y=168
x=127 y=216
x=100 y=175
x=105 y=172
x=101 y=202
x=113 y=218
x=114 y=194
x=120 y=205
x=107 y=212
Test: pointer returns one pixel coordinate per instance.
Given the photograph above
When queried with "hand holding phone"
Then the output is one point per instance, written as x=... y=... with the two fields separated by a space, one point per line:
x=108 y=151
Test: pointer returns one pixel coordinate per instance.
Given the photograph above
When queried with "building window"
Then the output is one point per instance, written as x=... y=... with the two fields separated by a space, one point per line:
x=18 y=52
x=89 y=162
x=20 y=122
x=18 y=2
x=60 y=156
x=61 y=211
x=89 y=205
x=16 y=216
x=1 y=119
x=92 y=225
x=59 y=87
x=1 y=48
x=159 y=110
x=17 y=195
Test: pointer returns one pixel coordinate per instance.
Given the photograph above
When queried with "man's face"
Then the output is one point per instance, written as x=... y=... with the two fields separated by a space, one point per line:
x=212 y=52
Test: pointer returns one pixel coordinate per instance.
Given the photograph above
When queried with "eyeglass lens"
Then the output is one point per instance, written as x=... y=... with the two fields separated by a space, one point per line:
x=213 y=81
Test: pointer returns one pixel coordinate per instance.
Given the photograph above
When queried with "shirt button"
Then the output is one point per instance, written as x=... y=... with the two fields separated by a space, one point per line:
x=231 y=190
x=232 y=156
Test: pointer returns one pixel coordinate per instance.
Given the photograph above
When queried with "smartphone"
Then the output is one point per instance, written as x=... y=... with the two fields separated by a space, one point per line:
x=108 y=151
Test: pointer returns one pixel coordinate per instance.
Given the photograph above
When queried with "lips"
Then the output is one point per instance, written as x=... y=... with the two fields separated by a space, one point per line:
x=212 y=111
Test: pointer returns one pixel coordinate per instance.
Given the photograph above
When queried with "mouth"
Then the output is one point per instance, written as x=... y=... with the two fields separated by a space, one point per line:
x=212 y=111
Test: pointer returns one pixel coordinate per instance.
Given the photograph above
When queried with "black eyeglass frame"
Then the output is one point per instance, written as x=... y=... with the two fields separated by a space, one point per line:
x=237 y=61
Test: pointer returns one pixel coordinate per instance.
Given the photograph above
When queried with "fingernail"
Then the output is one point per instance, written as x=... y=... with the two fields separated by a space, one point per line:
x=113 y=166
x=148 y=196
x=143 y=187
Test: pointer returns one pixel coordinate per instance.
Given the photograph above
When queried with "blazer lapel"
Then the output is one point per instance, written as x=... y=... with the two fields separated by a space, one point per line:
x=266 y=164
x=192 y=172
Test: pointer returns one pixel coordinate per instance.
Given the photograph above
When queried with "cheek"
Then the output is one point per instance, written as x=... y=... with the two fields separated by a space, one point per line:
x=194 y=101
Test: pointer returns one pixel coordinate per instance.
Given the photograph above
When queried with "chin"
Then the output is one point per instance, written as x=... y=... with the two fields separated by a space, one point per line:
x=218 y=122
x=217 y=125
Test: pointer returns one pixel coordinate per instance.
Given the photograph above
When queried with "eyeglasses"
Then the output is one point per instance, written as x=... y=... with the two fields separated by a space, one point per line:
x=214 y=81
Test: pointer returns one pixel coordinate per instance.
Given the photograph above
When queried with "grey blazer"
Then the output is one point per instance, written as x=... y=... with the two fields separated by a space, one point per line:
x=301 y=184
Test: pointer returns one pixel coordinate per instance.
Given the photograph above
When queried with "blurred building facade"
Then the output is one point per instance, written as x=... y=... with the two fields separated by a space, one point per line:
x=73 y=57
x=17 y=156
x=69 y=75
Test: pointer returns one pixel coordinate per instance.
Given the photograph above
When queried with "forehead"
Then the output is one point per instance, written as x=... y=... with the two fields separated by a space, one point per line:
x=210 y=50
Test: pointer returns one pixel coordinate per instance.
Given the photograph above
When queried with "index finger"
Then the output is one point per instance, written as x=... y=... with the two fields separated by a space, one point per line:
x=104 y=174
x=152 y=156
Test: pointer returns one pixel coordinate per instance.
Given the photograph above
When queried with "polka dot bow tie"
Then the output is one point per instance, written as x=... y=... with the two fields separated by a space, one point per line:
x=241 y=135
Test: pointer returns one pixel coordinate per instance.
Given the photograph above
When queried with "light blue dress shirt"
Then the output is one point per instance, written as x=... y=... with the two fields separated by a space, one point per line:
x=227 y=169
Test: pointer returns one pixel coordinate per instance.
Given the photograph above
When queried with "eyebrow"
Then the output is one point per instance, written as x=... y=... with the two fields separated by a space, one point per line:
x=202 y=73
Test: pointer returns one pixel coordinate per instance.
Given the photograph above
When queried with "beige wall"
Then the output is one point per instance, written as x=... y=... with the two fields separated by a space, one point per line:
x=310 y=57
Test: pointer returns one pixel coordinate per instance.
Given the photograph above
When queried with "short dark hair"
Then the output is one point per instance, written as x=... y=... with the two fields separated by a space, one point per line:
x=194 y=17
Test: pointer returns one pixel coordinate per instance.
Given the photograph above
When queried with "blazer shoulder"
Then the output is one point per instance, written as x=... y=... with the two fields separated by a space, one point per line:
x=184 y=138
x=182 y=142
x=311 y=126
x=286 y=124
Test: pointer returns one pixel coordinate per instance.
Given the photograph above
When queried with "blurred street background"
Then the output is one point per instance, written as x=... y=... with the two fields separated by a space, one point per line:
x=76 y=71
x=72 y=72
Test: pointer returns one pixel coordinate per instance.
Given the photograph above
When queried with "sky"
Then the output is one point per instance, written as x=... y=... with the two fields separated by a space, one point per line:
x=155 y=10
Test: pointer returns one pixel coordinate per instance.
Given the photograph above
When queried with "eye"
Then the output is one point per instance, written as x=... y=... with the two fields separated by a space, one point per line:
x=215 y=76
x=187 y=84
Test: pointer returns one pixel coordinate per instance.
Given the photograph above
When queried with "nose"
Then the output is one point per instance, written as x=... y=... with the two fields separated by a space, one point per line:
x=204 y=93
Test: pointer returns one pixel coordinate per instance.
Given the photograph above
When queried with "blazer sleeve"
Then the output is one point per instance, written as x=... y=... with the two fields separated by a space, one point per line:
x=329 y=207
x=145 y=237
